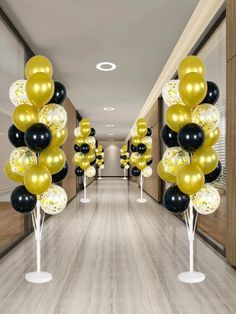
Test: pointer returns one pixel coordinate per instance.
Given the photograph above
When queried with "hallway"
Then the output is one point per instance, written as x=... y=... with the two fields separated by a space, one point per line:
x=115 y=256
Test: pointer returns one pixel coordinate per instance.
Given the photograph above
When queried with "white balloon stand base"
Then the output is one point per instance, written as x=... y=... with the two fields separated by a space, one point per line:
x=191 y=277
x=141 y=200
x=99 y=178
x=124 y=178
x=84 y=200
x=38 y=277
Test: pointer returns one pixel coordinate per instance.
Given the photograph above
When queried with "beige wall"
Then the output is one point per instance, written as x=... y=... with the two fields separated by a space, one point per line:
x=112 y=158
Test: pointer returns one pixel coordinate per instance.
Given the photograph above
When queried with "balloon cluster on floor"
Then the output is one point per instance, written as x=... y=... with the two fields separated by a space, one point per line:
x=100 y=157
x=38 y=129
x=190 y=162
x=124 y=157
x=141 y=147
x=85 y=144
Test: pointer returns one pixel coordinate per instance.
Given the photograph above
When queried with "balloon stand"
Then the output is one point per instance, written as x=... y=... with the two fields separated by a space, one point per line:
x=38 y=276
x=85 y=199
x=99 y=174
x=124 y=178
x=191 y=276
x=141 y=199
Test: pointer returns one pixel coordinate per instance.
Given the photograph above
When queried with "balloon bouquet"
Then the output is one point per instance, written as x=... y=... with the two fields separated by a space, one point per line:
x=84 y=158
x=99 y=160
x=37 y=162
x=141 y=156
x=124 y=160
x=190 y=163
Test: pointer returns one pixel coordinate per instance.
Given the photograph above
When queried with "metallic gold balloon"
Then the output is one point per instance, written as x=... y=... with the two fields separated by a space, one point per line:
x=207 y=116
x=136 y=140
x=54 y=116
x=91 y=156
x=37 y=179
x=84 y=164
x=141 y=122
x=24 y=116
x=192 y=89
x=141 y=164
x=177 y=116
x=206 y=158
x=85 y=123
x=85 y=131
x=39 y=89
x=191 y=64
x=21 y=159
x=12 y=175
x=99 y=149
x=211 y=137
x=79 y=140
x=165 y=175
x=59 y=138
x=38 y=64
x=54 y=200
x=190 y=179
x=174 y=159
x=134 y=158
x=141 y=131
x=53 y=158
x=147 y=156
x=77 y=158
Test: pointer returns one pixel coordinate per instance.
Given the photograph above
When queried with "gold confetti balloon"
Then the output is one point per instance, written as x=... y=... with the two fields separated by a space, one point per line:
x=17 y=93
x=207 y=116
x=174 y=159
x=190 y=179
x=77 y=132
x=53 y=158
x=206 y=200
x=54 y=116
x=59 y=138
x=12 y=175
x=37 y=179
x=134 y=158
x=90 y=172
x=206 y=158
x=147 y=140
x=77 y=158
x=170 y=93
x=133 y=132
x=177 y=116
x=191 y=64
x=24 y=116
x=38 y=64
x=54 y=200
x=147 y=172
x=166 y=176
x=21 y=159
x=91 y=141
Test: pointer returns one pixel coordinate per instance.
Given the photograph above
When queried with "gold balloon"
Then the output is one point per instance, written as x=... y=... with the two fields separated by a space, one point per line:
x=177 y=116
x=99 y=149
x=141 y=131
x=165 y=175
x=141 y=122
x=91 y=156
x=21 y=159
x=136 y=140
x=206 y=158
x=192 y=89
x=37 y=179
x=190 y=179
x=141 y=164
x=211 y=137
x=77 y=158
x=174 y=159
x=39 y=89
x=84 y=164
x=79 y=140
x=134 y=158
x=85 y=131
x=59 y=138
x=54 y=116
x=191 y=64
x=38 y=64
x=85 y=123
x=12 y=175
x=147 y=156
x=53 y=158
x=24 y=116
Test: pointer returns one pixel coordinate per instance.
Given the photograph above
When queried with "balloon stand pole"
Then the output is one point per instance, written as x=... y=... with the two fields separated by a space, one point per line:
x=124 y=178
x=141 y=199
x=191 y=276
x=85 y=199
x=99 y=174
x=38 y=276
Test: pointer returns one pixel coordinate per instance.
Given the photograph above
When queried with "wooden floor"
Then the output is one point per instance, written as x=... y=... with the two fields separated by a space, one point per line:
x=115 y=256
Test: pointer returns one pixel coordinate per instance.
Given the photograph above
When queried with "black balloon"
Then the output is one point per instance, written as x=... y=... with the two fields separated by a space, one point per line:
x=38 y=137
x=141 y=148
x=93 y=162
x=76 y=148
x=58 y=177
x=93 y=132
x=59 y=93
x=99 y=157
x=212 y=94
x=22 y=200
x=16 y=137
x=149 y=132
x=84 y=148
x=133 y=148
x=212 y=176
x=135 y=172
x=175 y=200
x=124 y=157
x=122 y=166
x=79 y=172
x=149 y=162
x=190 y=137
x=168 y=136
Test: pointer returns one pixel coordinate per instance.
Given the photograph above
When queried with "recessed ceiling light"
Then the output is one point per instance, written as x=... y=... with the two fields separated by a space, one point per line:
x=109 y=125
x=110 y=134
x=106 y=66
x=108 y=108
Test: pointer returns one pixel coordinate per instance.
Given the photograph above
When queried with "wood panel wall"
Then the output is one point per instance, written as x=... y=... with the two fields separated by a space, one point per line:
x=231 y=132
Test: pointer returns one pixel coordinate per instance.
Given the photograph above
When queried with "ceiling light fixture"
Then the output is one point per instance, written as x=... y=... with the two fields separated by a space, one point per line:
x=106 y=66
x=108 y=108
x=110 y=134
x=109 y=125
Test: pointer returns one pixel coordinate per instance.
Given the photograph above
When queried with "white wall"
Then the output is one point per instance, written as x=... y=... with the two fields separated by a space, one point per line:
x=112 y=158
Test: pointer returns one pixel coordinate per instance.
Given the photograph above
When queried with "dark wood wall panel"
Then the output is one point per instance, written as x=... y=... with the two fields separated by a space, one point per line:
x=231 y=29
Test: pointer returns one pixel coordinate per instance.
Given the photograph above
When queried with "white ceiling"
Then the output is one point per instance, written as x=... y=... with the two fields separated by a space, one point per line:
x=137 y=35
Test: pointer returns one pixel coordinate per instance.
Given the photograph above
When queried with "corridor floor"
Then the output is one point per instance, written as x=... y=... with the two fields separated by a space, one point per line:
x=115 y=256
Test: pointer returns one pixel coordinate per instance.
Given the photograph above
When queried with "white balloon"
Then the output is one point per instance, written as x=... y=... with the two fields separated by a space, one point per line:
x=133 y=131
x=77 y=132
x=101 y=167
x=147 y=172
x=126 y=167
x=17 y=93
x=54 y=200
x=170 y=93
x=90 y=172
